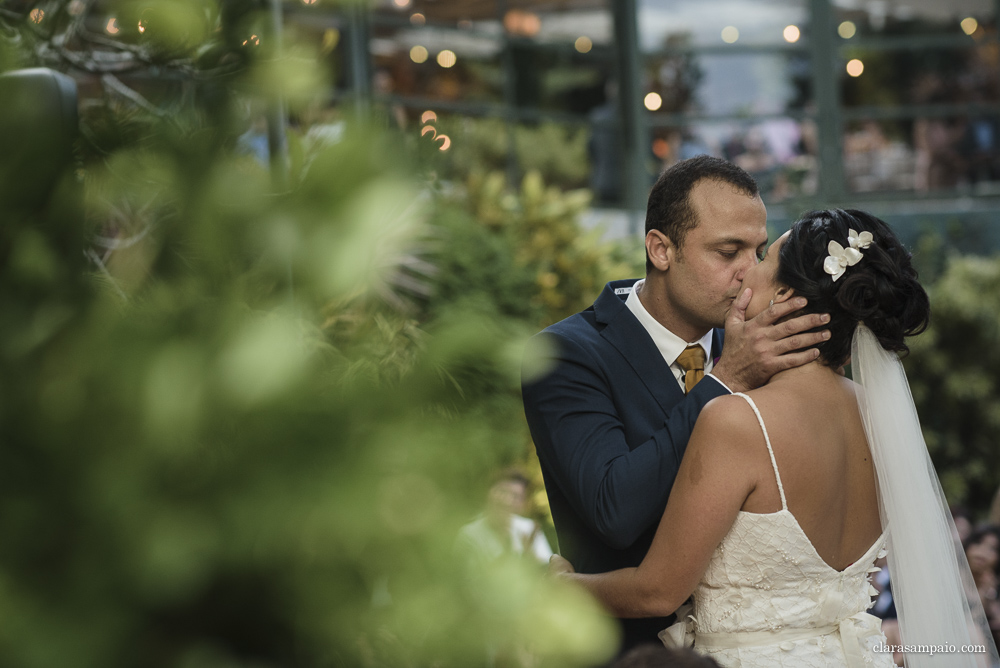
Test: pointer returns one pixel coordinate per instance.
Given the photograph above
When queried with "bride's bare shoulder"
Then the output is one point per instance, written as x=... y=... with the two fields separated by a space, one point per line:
x=724 y=435
x=727 y=413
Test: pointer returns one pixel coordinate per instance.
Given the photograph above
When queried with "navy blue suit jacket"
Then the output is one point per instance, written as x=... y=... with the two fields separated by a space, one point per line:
x=610 y=424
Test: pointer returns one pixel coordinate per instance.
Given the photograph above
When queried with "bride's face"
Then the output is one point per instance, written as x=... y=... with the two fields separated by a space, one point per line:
x=760 y=279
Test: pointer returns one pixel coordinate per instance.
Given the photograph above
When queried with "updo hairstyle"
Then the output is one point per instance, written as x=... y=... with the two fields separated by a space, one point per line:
x=881 y=289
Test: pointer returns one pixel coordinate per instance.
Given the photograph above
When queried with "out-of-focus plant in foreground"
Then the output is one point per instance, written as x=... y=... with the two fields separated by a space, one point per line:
x=519 y=253
x=229 y=444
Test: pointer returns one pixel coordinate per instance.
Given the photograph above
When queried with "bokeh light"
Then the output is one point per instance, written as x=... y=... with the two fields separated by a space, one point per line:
x=855 y=67
x=847 y=29
x=969 y=25
x=445 y=142
x=791 y=33
x=112 y=26
x=520 y=22
x=37 y=15
x=418 y=19
x=428 y=116
x=583 y=44
x=730 y=34
x=418 y=54
x=308 y=2
x=447 y=58
x=653 y=101
x=401 y=3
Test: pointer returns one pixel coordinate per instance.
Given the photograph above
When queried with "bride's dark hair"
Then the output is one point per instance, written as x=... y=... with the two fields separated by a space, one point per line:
x=881 y=289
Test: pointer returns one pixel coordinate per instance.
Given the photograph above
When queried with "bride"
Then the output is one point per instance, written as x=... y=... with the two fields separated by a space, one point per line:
x=788 y=494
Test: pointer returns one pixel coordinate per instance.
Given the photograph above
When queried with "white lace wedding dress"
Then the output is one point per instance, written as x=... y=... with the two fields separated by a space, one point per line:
x=768 y=599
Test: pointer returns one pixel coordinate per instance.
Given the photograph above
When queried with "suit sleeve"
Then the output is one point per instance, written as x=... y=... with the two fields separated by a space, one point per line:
x=619 y=492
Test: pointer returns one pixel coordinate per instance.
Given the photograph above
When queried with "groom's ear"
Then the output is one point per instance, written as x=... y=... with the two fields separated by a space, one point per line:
x=660 y=249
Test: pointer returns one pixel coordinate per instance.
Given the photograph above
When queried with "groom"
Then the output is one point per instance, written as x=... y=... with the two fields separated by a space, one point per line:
x=612 y=411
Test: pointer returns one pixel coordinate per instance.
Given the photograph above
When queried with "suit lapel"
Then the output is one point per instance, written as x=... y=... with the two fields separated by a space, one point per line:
x=718 y=337
x=628 y=336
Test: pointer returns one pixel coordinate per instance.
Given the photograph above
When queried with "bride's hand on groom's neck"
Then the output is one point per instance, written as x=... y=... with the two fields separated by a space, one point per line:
x=771 y=342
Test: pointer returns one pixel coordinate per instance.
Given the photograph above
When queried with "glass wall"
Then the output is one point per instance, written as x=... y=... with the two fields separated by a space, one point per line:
x=695 y=23
x=824 y=101
x=920 y=88
x=735 y=81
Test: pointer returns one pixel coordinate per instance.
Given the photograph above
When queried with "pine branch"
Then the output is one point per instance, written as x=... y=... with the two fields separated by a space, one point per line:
x=115 y=84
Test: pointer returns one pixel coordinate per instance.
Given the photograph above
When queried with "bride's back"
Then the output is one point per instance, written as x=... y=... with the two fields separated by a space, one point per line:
x=811 y=412
x=822 y=455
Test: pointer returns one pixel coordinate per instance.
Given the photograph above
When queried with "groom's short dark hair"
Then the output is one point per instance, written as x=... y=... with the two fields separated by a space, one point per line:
x=669 y=207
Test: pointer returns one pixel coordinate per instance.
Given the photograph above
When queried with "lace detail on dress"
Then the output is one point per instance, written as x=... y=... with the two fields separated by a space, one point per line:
x=768 y=599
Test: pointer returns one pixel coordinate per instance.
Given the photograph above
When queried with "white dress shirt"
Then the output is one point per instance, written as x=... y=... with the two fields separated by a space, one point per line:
x=669 y=344
x=524 y=537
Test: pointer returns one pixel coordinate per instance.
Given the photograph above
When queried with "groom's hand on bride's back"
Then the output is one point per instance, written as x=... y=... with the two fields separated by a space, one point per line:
x=757 y=349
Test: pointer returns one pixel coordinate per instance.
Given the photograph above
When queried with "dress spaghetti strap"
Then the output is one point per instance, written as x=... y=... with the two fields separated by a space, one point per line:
x=767 y=440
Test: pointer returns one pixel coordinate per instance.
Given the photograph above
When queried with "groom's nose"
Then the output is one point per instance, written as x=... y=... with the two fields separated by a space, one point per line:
x=747 y=261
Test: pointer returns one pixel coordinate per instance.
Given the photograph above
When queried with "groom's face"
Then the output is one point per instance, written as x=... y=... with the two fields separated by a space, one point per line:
x=706 y=273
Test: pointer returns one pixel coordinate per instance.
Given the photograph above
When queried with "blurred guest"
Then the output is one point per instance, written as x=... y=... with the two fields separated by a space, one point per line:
x=756 y=158
x=783 y=138
x=501 y=532
x=890 y=628
x=978 y=149
x=963 y=521
x=604 y=149
x=939 y=164
x=501 y=529
x=733 y=146
x=982 y=549
x=884 y=607
x=658 y=656
x=994 y=517
x=253 y=142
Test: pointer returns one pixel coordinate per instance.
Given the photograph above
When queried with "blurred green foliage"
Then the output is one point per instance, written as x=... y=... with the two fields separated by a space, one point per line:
x=557 y=152
x=954 y=369
x=523 y=254
x=247 y=437
x=520 y=256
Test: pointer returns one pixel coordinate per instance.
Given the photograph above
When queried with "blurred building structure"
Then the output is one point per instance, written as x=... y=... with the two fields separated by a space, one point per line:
x=888 y=105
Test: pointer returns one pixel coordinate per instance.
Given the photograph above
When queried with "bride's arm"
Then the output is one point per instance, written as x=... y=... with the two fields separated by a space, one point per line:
x=717 y=474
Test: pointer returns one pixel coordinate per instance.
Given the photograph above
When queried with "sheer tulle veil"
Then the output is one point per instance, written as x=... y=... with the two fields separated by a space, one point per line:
x=936 y=600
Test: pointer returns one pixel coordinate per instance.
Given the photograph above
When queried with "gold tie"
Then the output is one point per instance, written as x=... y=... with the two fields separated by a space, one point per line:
x=692 y=360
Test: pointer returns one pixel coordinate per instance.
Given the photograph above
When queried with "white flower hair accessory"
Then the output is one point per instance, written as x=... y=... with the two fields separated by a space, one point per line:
x=840 y=258
x=863 y=240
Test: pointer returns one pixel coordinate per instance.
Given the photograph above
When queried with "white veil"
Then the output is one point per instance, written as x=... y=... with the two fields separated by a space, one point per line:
x=936 y=599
